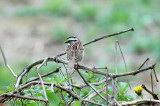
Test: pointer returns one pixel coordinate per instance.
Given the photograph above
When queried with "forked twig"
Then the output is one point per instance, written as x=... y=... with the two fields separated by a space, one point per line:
x=41 y=80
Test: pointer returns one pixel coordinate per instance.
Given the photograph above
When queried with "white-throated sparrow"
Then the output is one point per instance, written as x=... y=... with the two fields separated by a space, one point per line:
x=74 y=50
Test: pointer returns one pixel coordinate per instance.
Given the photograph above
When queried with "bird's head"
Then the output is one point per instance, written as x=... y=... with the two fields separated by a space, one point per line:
x=70 y=40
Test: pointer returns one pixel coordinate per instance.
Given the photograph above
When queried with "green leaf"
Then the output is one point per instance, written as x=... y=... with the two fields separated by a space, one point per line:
x=78 y=103
x=10 y=88
x=129 y=98
x=123 y=86
x=53 y=99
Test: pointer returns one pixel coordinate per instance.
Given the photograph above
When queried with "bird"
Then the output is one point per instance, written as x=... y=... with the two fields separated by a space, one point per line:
x=75 y=50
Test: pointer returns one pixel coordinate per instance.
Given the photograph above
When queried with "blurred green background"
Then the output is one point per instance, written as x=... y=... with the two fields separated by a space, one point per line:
x=35 y=29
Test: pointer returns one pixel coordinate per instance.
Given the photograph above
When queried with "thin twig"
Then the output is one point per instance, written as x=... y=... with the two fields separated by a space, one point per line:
x=95 y=84
x=107 y=85
x=6 y=64
x=113 y=87
x=24 y=97
x=92 y=95
x=68 y=75
x=133 y=72
x=49 y=73
x=62 y=97
x=90 y=85
x=152 y=82
x=143 y=63
x=69 y=103
x=97 y=39
x=42 y=83
x=117 y=42
x=155 y=75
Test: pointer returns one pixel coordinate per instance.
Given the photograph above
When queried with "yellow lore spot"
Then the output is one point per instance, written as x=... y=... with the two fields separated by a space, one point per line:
x=67 y=40
x=138 y=90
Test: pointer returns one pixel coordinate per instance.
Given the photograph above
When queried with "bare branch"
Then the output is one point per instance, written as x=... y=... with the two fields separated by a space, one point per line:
x=30 y=66
x=6 y=64
x=133 y=72
x=113 y=87
x=155 y=96
x=117 y=42
x=152 y=82
x=97 y=39
x=24 y=97
x=140 y=102
x=92 y=95
x=143 y=63
x=107 y=85
x=42 y=83
x=155 y=75
x=114 y=75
